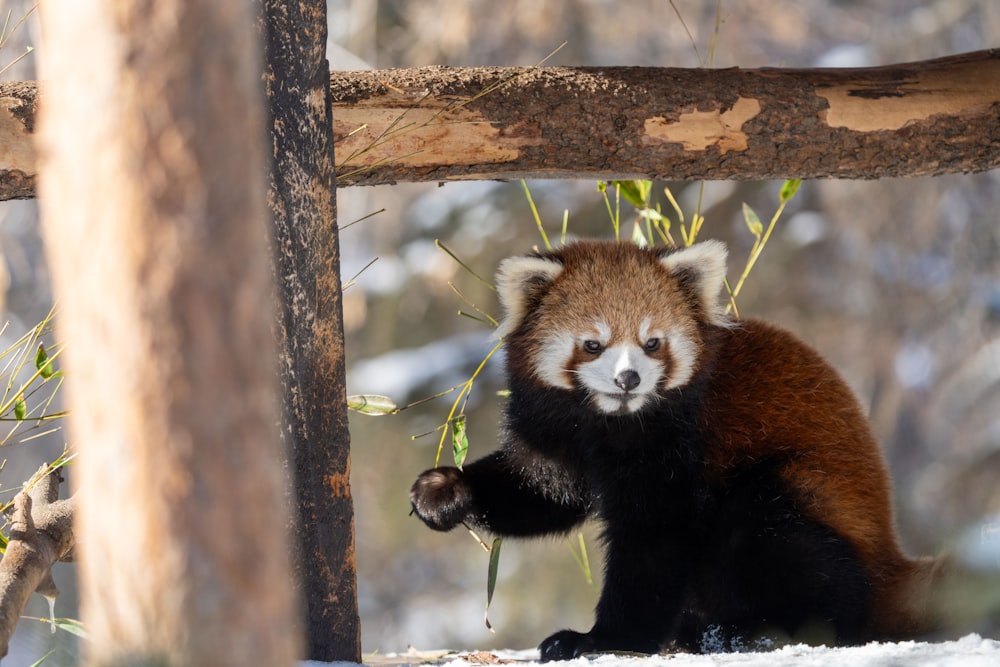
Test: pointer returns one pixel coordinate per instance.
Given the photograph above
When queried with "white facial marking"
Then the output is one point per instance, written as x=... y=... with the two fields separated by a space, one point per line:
x=685 y=356
x=613 y=405
x=553 y=358
x=644 y=329
x=603 y=332
x=645 y=333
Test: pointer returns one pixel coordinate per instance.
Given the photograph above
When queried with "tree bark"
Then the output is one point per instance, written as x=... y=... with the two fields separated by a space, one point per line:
x=310 y=328
x=438 y=124
x=18 y=161
x=41 y=534
x=154 y=212
x=445 y=124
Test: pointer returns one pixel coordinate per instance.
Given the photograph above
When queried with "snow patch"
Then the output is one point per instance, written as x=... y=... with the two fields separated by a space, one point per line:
x=970 y=651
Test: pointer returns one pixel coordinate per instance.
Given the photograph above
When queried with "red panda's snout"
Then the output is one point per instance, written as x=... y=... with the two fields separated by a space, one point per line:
x=621 y=378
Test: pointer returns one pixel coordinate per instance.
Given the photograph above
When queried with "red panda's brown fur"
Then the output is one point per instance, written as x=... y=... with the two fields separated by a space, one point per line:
x=845 y=481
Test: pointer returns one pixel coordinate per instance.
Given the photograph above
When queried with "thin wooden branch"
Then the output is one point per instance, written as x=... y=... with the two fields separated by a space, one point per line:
x=41 y=534
x=442 y=124
x=18 y=163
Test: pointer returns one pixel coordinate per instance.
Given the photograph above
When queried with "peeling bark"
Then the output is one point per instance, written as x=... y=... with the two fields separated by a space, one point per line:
x=443 y=124
x=41 y=534
x=440 y=124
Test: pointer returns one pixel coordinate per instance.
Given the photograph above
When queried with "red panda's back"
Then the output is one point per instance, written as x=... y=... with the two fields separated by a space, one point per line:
x=775 y=398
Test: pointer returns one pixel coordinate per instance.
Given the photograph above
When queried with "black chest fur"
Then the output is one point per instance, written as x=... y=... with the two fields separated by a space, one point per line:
x=684 y=556
x=636 y=471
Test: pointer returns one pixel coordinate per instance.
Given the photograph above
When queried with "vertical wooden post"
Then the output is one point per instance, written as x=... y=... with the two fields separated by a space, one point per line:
x=311 y=333
x=153 y=196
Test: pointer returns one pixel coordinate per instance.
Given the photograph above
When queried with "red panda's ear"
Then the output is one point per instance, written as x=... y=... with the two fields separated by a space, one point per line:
x=521 y=281
x=700 y=270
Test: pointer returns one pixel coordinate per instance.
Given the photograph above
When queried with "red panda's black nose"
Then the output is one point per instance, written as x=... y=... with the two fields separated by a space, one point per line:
x=627 y=380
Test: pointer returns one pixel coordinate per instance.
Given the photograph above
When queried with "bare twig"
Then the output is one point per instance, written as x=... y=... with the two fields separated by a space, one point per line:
x=41 y=534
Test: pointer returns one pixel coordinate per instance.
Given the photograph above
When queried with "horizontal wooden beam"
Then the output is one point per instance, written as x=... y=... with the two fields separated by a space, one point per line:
x=443 y=124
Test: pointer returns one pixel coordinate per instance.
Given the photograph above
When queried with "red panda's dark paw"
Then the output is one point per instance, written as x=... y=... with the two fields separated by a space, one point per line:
x=566 y=645
x=441 y=498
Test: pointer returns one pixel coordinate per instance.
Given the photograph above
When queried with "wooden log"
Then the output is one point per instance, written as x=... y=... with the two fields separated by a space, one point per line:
x=441 y=124
x=310 y=326
x=444 y=124
x=153 y=184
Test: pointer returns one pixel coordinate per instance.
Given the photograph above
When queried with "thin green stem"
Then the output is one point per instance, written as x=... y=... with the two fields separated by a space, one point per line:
x=465 y=266
x=534 y=213
x=755 y=253
x=465 y=389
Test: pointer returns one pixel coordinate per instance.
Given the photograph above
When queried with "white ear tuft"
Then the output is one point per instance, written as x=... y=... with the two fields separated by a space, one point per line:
x=518 y=280
x=701 y=268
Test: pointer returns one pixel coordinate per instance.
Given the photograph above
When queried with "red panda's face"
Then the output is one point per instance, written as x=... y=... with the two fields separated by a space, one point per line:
x=621 y=367
x=615 y=322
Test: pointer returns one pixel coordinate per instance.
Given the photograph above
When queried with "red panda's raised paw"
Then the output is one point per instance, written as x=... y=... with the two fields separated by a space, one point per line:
x=441 y=498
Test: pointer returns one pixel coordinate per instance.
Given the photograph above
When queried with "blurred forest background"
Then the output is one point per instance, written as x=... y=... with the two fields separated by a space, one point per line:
x=897 y=282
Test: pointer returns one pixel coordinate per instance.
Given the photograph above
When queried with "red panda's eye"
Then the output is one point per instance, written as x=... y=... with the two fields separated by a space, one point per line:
x=652 y=345
x=592 y=346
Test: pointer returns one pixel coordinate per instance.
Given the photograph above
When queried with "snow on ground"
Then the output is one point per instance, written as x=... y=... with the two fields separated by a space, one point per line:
x=970 y=651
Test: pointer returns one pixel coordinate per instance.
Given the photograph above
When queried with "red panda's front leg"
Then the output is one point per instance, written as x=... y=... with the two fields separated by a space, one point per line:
x=496 y=496
x=644 y=586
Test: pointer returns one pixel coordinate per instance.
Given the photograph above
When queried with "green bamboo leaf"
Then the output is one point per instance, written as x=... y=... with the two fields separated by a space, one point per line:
x=491 y=580
x=42 y=362
x=754 y=224
x=635 y=192
x=459 y=440
x=41 y=660
x=372 y=404
x=71 y=626
x=789 y=188
x=20 y=409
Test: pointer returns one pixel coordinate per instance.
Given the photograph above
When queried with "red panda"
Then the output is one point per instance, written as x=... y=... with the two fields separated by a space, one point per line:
x=740 y=491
